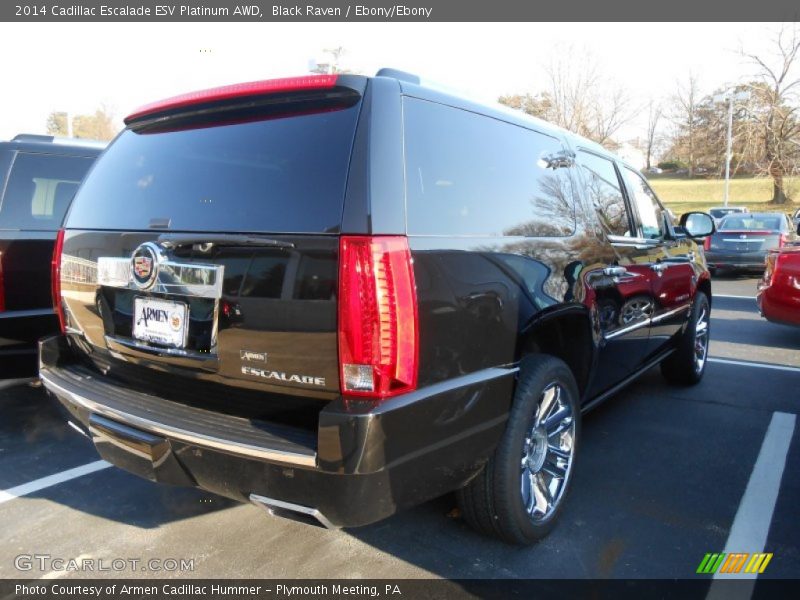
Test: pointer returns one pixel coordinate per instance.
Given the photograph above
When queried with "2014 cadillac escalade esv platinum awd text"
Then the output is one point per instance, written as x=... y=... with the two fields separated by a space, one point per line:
x=339 y=296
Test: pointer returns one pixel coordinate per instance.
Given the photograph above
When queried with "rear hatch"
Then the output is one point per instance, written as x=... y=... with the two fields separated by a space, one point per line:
x=745 y=241
x=200 y=256
x=748 y=233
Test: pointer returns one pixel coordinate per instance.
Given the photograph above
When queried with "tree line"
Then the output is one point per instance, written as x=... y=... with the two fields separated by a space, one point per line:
x=688 y=130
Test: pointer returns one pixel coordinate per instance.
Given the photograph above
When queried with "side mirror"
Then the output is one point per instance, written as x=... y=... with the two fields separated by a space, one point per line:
x=698 y=224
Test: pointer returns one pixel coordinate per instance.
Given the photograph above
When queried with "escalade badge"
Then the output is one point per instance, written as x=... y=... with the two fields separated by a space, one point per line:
x=144 y=264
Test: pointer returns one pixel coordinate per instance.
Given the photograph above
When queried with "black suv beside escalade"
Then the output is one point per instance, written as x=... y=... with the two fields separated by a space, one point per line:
x=340 y=296
x=39 y=175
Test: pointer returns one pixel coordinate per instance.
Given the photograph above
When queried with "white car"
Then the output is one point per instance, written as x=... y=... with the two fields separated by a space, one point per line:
x=720 y=212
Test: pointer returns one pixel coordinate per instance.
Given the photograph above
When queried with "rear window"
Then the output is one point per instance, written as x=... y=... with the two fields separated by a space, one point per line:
x=284 y=174
x=40 y=189
x=752 y=222
x=468 y=174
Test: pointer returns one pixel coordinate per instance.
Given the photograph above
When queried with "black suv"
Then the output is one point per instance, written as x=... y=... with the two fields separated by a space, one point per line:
x=38 y=178
x=340 y=296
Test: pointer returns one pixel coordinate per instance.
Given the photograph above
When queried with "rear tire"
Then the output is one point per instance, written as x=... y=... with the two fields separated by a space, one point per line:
x=687 y=364
x=520 y=493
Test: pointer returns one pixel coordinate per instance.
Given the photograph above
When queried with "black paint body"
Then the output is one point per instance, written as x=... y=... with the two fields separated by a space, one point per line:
x=484 y=301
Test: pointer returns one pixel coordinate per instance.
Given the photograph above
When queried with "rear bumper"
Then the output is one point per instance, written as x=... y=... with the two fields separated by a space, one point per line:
x=780 y=306
x=750 y=261
x=362 y=464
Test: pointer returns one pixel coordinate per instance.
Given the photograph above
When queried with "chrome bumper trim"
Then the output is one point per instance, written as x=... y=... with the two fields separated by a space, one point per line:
x=229 y=446
x=273 y=507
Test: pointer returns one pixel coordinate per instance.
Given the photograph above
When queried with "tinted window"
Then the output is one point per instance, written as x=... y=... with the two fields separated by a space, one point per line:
x=753 y=222
x=272 y=175
x=40 y=189
x=467 y=174
x=651 y=214
x=605 y=192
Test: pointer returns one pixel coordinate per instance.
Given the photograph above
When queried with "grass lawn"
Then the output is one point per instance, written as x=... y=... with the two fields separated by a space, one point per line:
x=682 y=195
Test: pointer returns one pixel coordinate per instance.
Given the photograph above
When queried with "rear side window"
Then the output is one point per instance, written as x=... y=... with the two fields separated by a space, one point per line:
x=468 y=174
x=283 y=174
x=605 y=193
x=40 y=189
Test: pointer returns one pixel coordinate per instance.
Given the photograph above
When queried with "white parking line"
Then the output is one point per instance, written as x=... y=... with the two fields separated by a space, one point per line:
x=51 y=480
x=745 y=363
x=751 y=524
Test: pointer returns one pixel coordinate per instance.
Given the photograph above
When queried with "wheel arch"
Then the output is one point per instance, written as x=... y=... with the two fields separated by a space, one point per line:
x=704 y=285
x=567 y=333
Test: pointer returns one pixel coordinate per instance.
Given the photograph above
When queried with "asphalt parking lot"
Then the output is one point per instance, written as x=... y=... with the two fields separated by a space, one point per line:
x=661 y=481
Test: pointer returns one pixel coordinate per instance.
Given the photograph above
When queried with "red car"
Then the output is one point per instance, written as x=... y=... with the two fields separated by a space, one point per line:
x=779 y=289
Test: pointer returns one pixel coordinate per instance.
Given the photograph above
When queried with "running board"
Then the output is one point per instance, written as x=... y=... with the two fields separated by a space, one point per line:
x=625 y=382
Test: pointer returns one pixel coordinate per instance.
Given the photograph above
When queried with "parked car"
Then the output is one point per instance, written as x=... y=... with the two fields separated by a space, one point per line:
x=779 y=289
x=742 y=241
x=341 y=296
x=720 y=212
x=38 y=178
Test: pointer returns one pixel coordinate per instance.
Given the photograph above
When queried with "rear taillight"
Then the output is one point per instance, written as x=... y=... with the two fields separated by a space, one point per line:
x=55 y=279
x=2 y=286
x=378 y=327
x=782 y=240
x=707 y=243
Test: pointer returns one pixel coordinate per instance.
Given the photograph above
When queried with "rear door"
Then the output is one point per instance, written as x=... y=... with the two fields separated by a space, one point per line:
x=205 y=248
x=621 y=281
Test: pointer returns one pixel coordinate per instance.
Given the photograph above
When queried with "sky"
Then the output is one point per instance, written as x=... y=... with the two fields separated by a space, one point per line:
x=76 y=67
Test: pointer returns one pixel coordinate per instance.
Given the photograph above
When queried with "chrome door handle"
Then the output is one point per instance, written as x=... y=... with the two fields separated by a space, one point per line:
x=659 y=267
x=615 y=271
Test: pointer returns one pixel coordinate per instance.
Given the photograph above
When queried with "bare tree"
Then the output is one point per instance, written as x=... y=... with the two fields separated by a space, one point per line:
x=685 y=103
x=97 y=126
x=577 y=97
x=654 y=112
x=776 y=90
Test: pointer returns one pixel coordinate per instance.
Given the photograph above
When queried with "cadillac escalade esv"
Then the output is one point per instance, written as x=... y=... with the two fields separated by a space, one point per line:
x=340 y=296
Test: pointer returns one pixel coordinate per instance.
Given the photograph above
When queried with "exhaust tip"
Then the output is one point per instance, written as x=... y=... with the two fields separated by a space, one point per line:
x=294 y=512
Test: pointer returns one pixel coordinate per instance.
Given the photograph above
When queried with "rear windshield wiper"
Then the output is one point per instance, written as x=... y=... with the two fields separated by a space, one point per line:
x=205 y=243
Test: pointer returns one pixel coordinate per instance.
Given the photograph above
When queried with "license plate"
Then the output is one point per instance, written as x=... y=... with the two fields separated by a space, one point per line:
x=161 y=321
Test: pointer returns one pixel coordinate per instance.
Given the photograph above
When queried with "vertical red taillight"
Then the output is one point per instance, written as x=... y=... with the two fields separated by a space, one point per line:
x=782 y=240
x=55 y=279
x=378 y=325
x=707 y=243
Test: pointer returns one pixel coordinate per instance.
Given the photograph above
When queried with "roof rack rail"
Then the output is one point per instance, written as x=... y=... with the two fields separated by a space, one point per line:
x=33 y=137
x=59 y=140
x=397 y=74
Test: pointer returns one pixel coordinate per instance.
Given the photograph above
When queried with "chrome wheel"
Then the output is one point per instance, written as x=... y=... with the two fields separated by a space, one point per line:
x=636 y=310
x=547 y=454
x=701 y=339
